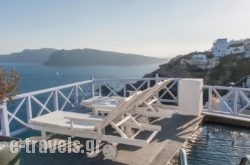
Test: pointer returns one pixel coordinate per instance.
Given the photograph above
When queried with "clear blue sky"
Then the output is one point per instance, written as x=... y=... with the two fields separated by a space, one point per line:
x=162 y=28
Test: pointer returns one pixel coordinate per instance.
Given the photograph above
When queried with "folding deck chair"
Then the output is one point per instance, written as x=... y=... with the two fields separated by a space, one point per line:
x=147 y=105
x=144 y=107
x=93 y=126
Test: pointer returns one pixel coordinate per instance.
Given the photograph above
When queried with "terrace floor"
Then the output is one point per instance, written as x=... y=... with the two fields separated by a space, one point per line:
x=166 y=144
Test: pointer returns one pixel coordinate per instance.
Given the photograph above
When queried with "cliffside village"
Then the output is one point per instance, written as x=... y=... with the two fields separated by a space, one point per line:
x=221 y=48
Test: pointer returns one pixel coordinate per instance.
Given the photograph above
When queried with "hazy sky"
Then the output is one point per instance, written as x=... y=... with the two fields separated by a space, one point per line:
x=162 y=28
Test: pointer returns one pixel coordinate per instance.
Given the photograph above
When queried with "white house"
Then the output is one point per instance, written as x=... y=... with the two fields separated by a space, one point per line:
x=200 y=59
x=220 y=48
x=236 y=48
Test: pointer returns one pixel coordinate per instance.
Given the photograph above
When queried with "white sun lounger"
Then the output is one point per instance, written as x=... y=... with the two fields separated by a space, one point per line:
x=93 y=126
x=148 y=99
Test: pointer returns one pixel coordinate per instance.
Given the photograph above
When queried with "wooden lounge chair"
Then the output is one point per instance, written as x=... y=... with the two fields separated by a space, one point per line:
x=94 y=126
x=147 y=105
x=144 y=106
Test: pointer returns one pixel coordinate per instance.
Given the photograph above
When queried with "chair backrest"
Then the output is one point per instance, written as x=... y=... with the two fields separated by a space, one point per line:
x=134 y=100
x=124 y=106
x=154 y=90
x=160 y=85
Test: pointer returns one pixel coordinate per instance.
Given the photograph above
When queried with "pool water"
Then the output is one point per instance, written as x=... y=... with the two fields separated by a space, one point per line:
x=214 y=144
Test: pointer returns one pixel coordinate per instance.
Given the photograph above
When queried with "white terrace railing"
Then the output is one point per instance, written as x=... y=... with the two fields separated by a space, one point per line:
x=15 y=113
x=227 y=101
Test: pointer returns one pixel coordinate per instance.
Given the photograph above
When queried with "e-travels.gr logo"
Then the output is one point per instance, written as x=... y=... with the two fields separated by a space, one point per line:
x=53 y=146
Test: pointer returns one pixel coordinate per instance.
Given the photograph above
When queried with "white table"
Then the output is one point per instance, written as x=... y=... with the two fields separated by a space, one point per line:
x=102 y=104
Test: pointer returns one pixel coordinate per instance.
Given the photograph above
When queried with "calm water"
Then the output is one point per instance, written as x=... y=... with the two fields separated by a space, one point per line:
x=218 y=144
x=37 y=76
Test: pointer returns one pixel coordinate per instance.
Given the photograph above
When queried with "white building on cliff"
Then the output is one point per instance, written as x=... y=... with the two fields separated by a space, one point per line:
x=200 y=59
x=221 y=47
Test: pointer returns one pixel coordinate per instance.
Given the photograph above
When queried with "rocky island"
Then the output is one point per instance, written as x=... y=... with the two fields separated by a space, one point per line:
x=87 y=57
x=28 y=56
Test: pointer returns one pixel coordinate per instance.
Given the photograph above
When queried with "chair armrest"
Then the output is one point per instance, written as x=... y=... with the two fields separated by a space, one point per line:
x=96 y=122
x=86 y=120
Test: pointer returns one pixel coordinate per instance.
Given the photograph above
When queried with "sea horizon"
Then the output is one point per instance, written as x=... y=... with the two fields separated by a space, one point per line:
x=36 y=76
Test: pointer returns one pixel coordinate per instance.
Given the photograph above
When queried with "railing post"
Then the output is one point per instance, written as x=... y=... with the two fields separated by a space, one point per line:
x=210 y=95
x=76 y=95
x=156 y=81
x=190 y=105
x=156 y=78
x=55 y=96
x=93 y=86
x=29 y=108
x=4 y=119
x=236 y=94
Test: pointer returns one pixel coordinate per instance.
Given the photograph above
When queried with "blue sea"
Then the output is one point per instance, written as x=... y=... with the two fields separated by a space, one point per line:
x=37 y=76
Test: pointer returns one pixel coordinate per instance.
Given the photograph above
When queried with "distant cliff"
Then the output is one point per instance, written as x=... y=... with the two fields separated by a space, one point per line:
x=97 y=57
x=28 y=56
x=231 y=69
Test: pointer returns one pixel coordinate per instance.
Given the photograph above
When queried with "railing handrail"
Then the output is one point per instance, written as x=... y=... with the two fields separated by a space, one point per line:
x=225 y=87
x=134 y=79
x=78 y=83
x=37 y=92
